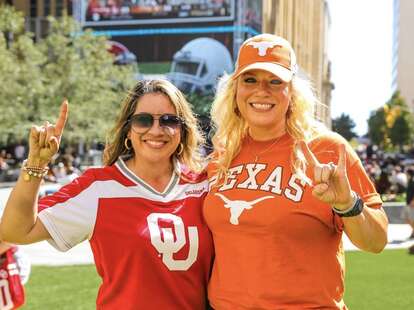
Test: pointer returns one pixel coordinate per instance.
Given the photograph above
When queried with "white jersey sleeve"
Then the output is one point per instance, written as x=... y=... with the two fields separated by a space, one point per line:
x=69 y=215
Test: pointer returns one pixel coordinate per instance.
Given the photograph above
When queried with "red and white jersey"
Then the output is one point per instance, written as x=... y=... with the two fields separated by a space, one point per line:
x=153 y=250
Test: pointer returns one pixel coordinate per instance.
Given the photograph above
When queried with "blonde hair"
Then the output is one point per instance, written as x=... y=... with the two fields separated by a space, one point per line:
x=191 y=137
x=230 y=127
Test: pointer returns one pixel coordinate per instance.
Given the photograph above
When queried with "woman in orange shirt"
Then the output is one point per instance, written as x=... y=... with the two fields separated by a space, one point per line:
x=283 y=189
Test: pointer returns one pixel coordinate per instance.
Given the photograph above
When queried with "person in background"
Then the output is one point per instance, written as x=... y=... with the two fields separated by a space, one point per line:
x=64 y=172
x=283 y=190
x=408 y=211
x=22 y=260
x=19 y=151
x=13 y=262
x=3 y=163
x=141 y=212
x=398 y=179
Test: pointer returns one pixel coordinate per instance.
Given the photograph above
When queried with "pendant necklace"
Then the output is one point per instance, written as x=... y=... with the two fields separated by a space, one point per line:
x=257 y=155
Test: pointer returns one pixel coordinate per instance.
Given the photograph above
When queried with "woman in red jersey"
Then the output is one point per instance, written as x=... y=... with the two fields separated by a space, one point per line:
x=283 y=190
x=141 y=212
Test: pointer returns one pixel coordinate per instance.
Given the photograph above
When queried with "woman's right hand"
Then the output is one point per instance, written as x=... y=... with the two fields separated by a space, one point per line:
x=44 y=140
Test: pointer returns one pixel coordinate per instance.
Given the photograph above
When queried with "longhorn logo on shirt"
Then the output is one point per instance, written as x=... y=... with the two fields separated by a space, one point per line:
x=238 y=206
x=169 y=246
x=262 y=46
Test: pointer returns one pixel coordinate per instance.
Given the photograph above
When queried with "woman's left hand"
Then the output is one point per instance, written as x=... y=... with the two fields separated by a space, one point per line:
x=330 y=181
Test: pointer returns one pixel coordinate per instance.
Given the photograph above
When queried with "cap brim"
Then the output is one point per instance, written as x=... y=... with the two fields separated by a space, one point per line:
x=283 y=73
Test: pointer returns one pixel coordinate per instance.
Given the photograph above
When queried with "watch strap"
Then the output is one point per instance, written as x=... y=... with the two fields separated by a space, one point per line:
x=355 y=210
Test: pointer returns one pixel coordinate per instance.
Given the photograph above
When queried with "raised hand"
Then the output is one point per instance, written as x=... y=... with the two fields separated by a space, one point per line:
x=44 y=140
x=330 y=181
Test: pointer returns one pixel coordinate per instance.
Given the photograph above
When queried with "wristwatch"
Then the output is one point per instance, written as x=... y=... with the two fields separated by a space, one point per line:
x=355 y=210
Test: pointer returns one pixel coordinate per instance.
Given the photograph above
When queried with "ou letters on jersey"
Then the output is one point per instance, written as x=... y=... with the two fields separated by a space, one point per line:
x=168 y=246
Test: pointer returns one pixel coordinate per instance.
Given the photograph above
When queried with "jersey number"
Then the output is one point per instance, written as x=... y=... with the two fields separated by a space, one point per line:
x=169 y=246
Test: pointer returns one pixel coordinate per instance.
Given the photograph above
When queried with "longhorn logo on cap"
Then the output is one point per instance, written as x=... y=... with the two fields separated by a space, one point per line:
x=262 y=46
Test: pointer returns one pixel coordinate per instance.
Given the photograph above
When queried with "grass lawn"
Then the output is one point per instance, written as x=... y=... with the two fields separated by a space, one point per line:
x=383 y=281
x=380 y=281
x=62 y=287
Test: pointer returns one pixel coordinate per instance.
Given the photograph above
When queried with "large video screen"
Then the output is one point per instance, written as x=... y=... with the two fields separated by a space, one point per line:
x=129 y=12
x=253 y=14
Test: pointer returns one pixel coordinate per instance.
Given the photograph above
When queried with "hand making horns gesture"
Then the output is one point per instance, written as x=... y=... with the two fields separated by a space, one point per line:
x=330 y=181
x=44 y=140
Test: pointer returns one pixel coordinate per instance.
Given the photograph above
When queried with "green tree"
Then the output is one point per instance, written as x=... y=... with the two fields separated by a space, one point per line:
x=11 y=22
x=391 y=126
x=401 y=131
x=67 y=63
x=20 y=75
x=401 y=121
x=80 y=68
x=377 y=129
x=201 y=104
x=344 y=125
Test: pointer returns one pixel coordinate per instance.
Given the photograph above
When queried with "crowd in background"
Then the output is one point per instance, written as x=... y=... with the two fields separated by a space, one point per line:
x=64 y=168
x=389 y=171
x=393 y=176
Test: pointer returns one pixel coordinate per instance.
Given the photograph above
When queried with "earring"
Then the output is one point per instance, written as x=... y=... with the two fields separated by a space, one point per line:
x=180 y=149
x=128 y=147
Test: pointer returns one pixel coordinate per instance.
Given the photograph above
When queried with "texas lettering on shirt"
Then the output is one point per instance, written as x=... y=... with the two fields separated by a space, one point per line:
x=293 y=191
x=273 y=183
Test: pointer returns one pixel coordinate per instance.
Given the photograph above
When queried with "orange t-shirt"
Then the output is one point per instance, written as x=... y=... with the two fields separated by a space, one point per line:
x=278 y=247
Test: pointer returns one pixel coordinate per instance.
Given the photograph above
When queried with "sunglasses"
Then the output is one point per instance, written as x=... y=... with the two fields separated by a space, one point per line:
x=142 y=122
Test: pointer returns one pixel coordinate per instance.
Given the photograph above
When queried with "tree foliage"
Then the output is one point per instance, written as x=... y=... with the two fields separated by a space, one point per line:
x=344 y=125
x=401 y=123
x=391 y=125
x=201 y=104
x=401 y=132
x=377 y=130
x=36 y=76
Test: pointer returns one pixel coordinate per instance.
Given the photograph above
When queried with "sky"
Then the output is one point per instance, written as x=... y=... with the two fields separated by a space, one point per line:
x=360 y=48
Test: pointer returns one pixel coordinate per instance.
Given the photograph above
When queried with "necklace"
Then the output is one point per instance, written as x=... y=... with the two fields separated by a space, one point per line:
x=257 y=155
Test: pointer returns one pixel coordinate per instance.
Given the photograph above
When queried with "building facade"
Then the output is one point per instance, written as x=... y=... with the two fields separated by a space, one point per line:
x=403 y=50
x=305 y=23
x=37 y=11
x=40 y=8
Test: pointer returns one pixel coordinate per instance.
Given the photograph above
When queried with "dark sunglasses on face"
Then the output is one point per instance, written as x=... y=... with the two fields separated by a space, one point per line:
x=142 y=122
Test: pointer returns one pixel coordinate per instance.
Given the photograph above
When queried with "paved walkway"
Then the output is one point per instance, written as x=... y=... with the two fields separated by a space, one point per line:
x=397 y=238
x=44 y=254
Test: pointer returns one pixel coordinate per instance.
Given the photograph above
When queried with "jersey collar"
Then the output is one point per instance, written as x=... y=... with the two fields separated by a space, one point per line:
x=120 y=164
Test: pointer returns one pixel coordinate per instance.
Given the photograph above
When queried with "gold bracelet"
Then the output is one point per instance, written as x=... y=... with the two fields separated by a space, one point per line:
x=33 y=171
